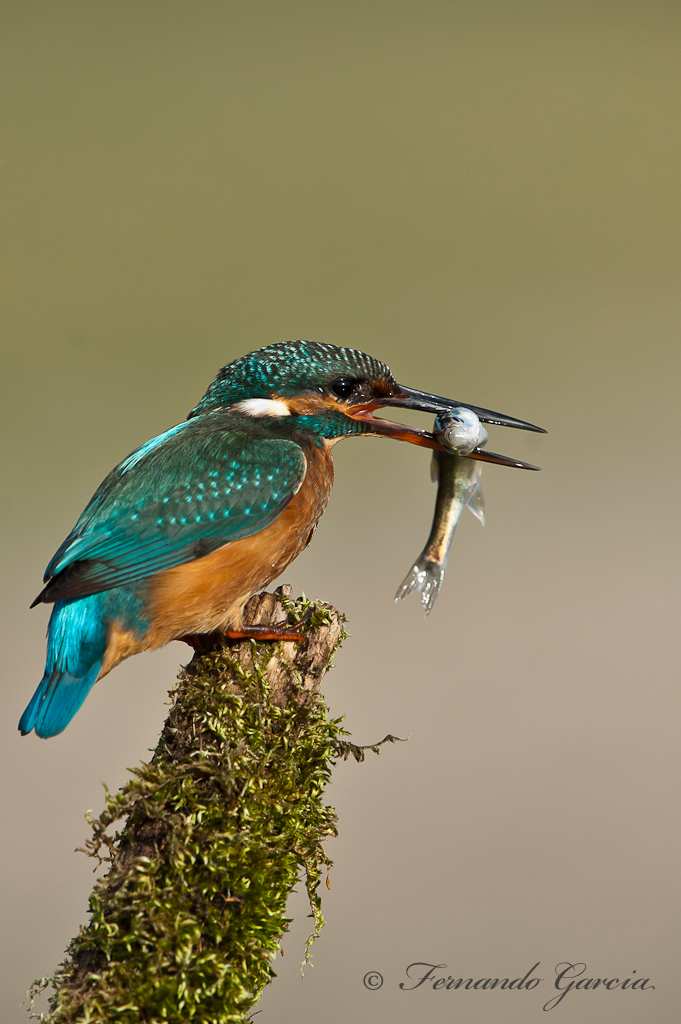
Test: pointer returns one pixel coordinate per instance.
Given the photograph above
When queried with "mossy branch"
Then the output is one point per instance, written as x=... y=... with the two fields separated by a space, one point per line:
x=220 y=824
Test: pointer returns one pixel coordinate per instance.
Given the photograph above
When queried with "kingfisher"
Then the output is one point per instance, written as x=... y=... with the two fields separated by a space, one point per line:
x=195 y=521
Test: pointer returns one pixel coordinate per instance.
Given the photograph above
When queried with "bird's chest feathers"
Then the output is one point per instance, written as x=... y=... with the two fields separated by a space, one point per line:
x=209 y=593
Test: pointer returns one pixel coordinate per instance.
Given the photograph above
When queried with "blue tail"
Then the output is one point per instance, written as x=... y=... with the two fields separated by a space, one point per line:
x=76 y=642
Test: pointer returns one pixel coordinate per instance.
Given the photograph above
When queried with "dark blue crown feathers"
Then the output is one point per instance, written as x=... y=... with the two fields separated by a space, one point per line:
x=288 y=368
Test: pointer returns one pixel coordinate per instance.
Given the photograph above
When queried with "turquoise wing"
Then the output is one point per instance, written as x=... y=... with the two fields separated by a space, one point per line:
x=178 y=497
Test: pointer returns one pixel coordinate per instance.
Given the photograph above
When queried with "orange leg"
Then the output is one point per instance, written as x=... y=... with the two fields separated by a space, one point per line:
x=265 y=633
x=203 y=642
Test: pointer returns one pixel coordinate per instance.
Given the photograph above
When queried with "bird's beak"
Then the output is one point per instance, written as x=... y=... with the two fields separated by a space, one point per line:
x=408 y=398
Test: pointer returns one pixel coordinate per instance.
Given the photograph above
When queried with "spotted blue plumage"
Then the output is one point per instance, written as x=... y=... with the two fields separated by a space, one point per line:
x=195 y=490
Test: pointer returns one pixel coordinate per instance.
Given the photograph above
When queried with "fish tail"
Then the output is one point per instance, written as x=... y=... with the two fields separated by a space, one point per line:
x=76 y=642
x=426 y=578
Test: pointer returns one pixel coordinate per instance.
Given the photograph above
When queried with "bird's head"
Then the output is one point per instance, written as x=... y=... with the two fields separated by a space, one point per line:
x=332 y=392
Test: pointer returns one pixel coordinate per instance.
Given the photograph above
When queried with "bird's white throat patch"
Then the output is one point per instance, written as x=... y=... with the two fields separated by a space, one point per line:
x=263 y=407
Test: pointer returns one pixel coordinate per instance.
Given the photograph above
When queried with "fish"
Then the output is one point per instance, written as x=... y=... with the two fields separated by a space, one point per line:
x=458 y=479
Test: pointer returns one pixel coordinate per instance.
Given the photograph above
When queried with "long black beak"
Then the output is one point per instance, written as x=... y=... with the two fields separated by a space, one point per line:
x=408 y=398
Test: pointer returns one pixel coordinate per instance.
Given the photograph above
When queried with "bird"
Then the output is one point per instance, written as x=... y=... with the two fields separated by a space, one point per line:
x=192 y=523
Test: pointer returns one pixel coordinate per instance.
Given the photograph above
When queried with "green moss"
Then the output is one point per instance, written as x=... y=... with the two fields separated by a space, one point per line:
x=221 y=825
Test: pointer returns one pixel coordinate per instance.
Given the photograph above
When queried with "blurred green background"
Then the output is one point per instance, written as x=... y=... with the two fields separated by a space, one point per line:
x=486 y=196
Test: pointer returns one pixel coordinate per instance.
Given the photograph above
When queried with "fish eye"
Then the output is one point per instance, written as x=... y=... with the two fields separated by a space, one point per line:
x=343 y=387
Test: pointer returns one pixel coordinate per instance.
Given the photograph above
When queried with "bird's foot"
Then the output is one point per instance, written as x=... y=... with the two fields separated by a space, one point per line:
x=204 y=642
x=265 y=633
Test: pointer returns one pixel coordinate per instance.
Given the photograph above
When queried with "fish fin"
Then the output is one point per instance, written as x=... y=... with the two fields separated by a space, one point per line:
x=58 y=696
x=476 y=503
x=426 y=578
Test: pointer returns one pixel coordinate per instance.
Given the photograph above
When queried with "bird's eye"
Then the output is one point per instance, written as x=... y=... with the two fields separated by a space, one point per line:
x=343 y=388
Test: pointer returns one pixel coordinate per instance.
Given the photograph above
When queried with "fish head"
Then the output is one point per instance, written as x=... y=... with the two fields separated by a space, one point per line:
x=460 y=430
